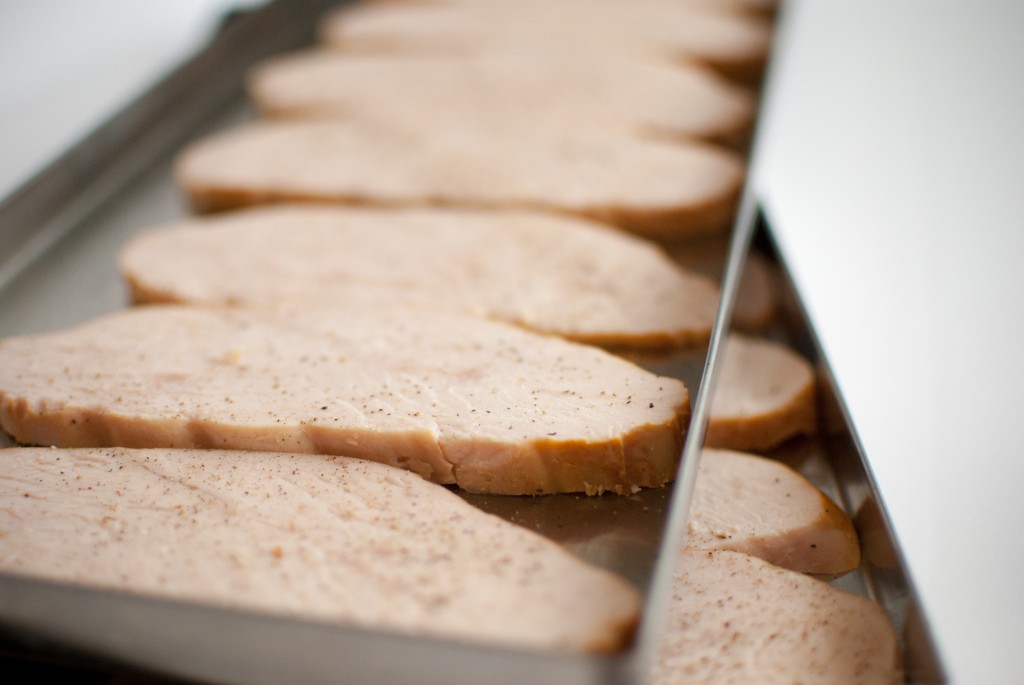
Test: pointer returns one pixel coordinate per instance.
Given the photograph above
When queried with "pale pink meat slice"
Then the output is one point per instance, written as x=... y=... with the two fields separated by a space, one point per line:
x=613 y=94
x=746 y=503
x=765 y=395
x=731 y=42
x=553 y=274
x=657 y=189
x=736 y=619
x=307 y=536
x=457 y=399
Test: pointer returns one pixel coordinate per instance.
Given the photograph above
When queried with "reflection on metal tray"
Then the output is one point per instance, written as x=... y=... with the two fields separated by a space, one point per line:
x=58 y=241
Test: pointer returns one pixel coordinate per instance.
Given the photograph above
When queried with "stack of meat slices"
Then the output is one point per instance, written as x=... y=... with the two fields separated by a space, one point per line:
x=494 y=170
x=500 y=104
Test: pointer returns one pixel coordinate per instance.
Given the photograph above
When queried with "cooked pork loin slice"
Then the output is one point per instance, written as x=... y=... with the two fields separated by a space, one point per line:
x=761 y=507
x=765 y=395
x=321 y=538
x=765 y=8
x=653 y=188
x=554 y=274
x=525 y=89
x=759 y=296
x=454 y=398
x=733 y=43
x=734 y=618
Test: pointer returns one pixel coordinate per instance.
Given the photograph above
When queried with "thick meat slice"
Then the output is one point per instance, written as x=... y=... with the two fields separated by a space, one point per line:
x=765 y=8
x=454 y=398
x=509 y=89
x=553 y=274
x=759 y=297
x=750 y=504
x=764 y=396
x=325 y=538
x=736 y=619
x=656 y=189
x=735 y=44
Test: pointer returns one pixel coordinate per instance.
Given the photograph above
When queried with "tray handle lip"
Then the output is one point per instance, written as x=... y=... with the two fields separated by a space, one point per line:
x=152 y=633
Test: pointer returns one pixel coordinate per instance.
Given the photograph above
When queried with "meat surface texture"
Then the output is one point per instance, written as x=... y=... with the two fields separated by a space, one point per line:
x=759 y=297
x=322 y=538
x=552 y=274
x=761 y=507
x=734 y=44
x=613 y=94
x=736 y=619
x=454 y=398
x=765 y=395
x=653 y=188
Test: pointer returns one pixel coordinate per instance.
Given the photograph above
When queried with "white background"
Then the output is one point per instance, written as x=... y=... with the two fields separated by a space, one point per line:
x=893 y=171
x=67 y=65
x=891 y=168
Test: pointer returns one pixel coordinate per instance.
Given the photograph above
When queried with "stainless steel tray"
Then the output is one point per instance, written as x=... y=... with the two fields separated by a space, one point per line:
x=59 y=236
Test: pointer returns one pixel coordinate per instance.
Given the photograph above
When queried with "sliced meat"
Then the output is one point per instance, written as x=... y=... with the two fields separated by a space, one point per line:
x=734 y=618
x=746 y=503
x=764 y=8
x=456 y=399
x=652 y=188
x=549 y=273
x=733 y=43
x=759 y=296
x=324 y=538
x=765 y=395
x=613 y=94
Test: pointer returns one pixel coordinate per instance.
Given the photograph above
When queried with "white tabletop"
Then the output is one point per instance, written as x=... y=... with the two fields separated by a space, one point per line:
x=890 y=168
